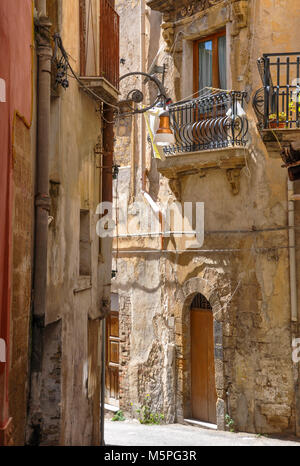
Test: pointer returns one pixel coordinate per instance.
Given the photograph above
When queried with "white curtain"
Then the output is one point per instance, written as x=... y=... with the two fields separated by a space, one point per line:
x=222 y=61
x=205 y=64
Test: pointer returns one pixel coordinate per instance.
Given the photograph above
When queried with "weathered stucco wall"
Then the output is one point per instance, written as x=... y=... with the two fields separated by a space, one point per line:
x=79 y=272
x=23 y=214
x=75 y=173
x=249 y=283
x=16 y=210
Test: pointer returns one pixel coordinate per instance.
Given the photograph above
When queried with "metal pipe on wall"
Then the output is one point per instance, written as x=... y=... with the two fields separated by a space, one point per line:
x=42 y=199
x=133 y=154
x=292 y=252
x=107 y=196
x=42 y=208
x=102 y=398
x=142 y=119
x=293 y=291
x=108 y=148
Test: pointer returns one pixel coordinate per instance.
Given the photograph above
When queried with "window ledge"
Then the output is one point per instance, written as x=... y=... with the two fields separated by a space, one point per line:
x=101 y=87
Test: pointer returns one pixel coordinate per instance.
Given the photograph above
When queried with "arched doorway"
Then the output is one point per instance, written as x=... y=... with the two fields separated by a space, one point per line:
x=203 y=387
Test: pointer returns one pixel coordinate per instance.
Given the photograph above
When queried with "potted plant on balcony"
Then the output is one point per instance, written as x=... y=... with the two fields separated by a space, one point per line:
x=281 y=123
x=294 y=106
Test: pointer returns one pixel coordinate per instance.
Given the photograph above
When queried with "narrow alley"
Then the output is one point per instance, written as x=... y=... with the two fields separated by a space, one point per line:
x=132 y=433
x=149 y=223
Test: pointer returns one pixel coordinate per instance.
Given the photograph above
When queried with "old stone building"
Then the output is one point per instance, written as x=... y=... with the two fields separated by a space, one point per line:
x=17 y=142
x=208 y=330
x=60 y=71
x=66 y=359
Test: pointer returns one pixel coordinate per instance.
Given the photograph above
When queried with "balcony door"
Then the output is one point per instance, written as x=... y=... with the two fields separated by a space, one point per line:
x=210 y=62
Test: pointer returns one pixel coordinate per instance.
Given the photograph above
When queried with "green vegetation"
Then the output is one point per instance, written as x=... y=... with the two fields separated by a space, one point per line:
x=146 y=416
x=118 y=416
x=229 y=423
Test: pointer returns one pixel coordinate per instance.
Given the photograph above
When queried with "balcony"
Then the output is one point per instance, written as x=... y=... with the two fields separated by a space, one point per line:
x=210 y=132
x=99 y=45
x=277 y=103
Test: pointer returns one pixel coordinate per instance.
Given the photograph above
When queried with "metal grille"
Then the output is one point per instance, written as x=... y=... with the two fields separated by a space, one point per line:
x=210 y=122
x=278 y=102
x=109 y=43
x=200 y=302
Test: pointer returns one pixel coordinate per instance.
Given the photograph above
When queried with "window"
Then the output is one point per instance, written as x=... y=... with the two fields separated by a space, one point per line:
x=85 y=244
x=99 y=40
x=210 y=62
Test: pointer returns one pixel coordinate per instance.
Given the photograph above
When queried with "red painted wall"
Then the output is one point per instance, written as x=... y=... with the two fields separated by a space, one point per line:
x=16 y=40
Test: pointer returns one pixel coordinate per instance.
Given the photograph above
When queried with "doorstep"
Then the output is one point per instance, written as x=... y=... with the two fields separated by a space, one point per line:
x=205 y=425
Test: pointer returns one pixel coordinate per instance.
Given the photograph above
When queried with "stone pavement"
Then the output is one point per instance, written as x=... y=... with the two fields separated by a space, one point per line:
x=132 y=433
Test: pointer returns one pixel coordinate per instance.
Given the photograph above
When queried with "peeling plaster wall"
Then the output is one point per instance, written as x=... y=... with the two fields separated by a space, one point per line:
x=74 y=169
x=17 y=129
x=70 y=404
x=255 y=379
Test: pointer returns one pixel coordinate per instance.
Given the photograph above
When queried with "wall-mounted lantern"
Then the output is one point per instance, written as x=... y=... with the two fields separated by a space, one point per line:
x=164 y=135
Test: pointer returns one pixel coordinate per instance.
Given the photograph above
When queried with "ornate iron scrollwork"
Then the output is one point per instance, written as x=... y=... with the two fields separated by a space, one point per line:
x=137 y=96
x=258 y=103
x=209 y=123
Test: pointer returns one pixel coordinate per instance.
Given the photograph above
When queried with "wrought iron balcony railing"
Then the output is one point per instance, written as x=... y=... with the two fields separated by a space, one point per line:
x=277 y=103
x=210 y=122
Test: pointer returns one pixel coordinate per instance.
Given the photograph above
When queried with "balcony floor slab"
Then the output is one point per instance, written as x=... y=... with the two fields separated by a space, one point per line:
x=185 y=163
x=277 y=138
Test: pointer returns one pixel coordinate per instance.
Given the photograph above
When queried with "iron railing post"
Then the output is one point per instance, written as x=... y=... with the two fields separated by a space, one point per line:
x=267 y=90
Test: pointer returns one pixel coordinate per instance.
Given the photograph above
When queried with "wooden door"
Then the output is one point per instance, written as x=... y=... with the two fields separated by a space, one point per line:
x=204 y=395
x=112 y=358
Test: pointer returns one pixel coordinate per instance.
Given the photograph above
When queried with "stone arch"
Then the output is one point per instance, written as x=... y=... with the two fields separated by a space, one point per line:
x=189 y=290
x=197 y=285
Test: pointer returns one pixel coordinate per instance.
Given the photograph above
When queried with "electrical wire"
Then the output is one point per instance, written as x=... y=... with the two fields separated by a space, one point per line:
x=58 y=42
x=117 y=217
x=216 y=232
x=197 y=251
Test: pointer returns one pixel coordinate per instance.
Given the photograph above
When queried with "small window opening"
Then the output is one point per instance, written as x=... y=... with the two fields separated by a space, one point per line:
x=85 y=244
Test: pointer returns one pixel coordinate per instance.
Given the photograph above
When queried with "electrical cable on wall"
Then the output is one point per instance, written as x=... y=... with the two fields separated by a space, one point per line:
x=116 y=177
x=59 y=45
x=194 y=251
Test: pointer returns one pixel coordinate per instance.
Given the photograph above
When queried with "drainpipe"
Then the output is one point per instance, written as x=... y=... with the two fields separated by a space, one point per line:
x=102 y=398
x=42 y=208
x=142 y=119
x=107 y=196
x=133 y=154
x=108 y=149
x=42 y=199
x=293 y=290
x=292 y=252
